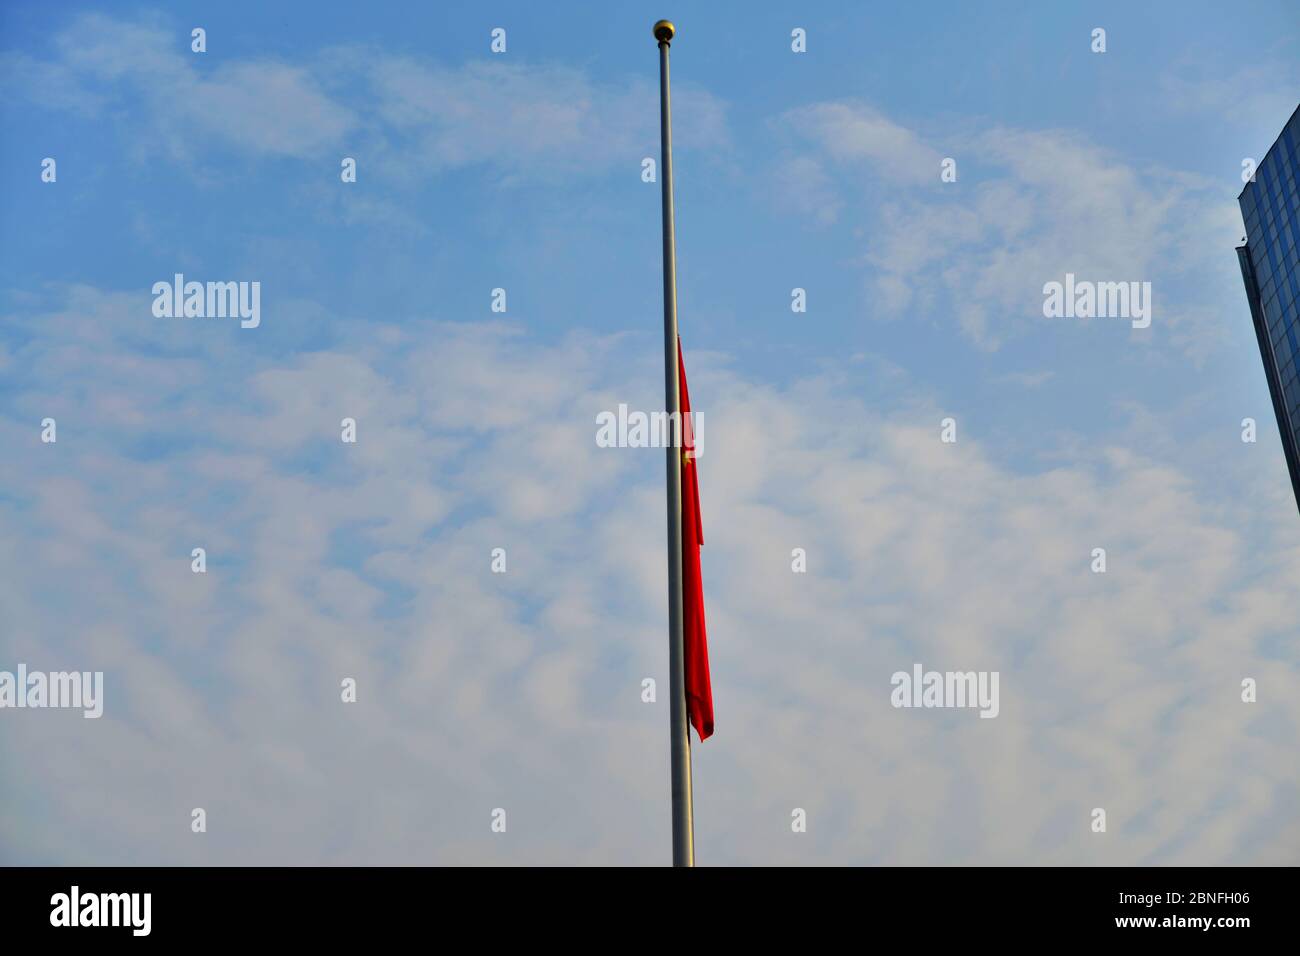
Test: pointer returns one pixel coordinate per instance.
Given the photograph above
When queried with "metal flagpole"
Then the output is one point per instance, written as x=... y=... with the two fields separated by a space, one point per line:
x=678 y=729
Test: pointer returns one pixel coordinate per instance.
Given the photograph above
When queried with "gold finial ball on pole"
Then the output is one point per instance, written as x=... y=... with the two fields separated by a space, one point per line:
x=664 y=31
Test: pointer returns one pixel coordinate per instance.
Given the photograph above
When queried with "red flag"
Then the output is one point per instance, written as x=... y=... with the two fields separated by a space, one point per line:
x=699 y=695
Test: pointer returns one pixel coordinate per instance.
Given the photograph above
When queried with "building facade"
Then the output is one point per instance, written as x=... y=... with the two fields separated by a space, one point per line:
x=1270 y=267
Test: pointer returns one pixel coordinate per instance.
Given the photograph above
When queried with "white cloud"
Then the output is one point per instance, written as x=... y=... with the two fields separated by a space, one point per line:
x=406 y=116
x=852 y=132
x=522 y=690
x=260 y=107
x=1255 y=95
x=1028 y=206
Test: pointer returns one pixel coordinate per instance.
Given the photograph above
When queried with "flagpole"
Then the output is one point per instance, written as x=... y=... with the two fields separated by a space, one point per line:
x=679 y=732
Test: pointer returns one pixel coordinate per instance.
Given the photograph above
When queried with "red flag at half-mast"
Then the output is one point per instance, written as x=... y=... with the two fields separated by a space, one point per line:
x=699 y=695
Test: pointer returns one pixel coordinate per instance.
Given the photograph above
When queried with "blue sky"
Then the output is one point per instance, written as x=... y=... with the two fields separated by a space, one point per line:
x=522 y=170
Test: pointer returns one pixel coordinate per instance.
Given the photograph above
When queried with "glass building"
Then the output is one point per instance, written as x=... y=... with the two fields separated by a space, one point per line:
x=1270 y=267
